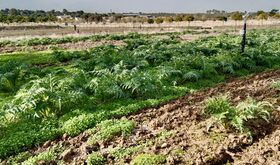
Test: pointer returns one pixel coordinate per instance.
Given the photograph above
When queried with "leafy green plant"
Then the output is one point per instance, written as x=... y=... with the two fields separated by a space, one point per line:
x=10 y=73
x=276 y=84
x=141 y=84
x=44 y=98
x=25 y=134
x=110 y=128
x=191 y=76
x=119 y=153
x=47 y=156
x=77 y=124
x=221 y=110
x=18 y=158
x=95 y=159
x=151 y=159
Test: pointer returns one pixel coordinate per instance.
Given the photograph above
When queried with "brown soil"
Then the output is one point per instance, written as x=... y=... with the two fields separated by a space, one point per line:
x=190 y=142
x=72 y=46
x=220 y=145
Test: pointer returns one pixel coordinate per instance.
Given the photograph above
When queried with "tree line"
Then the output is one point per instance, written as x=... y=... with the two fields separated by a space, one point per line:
x=19 y=16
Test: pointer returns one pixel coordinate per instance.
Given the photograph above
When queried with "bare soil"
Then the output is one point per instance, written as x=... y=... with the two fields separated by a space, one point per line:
x=189 y=141
x=83 y=45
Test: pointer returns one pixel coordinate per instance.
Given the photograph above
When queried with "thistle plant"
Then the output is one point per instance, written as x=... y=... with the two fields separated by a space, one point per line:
x=220 y=109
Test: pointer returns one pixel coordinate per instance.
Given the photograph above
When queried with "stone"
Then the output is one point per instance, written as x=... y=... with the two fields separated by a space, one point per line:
x=47 y=144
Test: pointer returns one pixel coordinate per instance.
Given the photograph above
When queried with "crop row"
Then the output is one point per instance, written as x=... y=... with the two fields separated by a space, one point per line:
x=112 y=81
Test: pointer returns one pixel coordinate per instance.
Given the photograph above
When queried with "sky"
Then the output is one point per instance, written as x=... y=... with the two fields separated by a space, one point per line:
x=176 y=6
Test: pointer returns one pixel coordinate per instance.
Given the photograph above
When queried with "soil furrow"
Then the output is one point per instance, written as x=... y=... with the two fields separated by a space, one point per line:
x=189 y=141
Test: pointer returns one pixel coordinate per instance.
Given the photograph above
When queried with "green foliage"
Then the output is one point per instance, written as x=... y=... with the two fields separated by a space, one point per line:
x=159 y=20
x=77 y=124
x=262 y=16
x=191 y=76
x=236 y=16
x=23 y=135
x=62 y=56
x=44 y=98
x=47 y=156
x=112 y=81
x=119 y=153
x=141 y=84
x=220 y=109
x=95 y=159
x=110 y=128
x=217 y=106
x=150 y=21
x=276 y=84
x=18 y=158
x=10 y=73
x=151 y=159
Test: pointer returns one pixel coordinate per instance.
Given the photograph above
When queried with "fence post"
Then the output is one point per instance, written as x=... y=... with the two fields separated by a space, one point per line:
x=243 y=43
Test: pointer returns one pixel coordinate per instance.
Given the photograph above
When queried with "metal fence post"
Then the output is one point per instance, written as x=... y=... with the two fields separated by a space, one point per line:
x=243 y=43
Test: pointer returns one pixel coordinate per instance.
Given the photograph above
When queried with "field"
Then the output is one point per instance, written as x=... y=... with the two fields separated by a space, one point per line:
x=160 y=98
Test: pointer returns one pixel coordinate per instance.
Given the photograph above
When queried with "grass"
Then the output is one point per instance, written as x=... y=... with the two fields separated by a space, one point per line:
x=43 y=57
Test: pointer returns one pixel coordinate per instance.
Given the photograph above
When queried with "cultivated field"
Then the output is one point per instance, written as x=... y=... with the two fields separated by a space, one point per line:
x=184 y=97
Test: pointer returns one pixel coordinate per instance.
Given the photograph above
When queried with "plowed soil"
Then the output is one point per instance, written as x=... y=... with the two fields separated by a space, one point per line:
x=66 y=46
x=189 y=141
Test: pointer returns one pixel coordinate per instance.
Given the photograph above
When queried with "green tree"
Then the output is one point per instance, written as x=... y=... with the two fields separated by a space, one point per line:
x=13 y=12
x=179 y=18
x=236 y=16
x=273 y=12
x=262 y=16
x=150 y=21
x=188 y=18
x=277 y=16
x=222 y=18
x=260 y=12
x=159 y=20
x=65 y=12
x=169 y=19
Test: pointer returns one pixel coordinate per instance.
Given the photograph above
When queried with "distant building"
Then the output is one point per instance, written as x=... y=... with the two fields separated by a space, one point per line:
x=63 y=17
x=68 y=18
x=143 y=15
x=77 y=19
